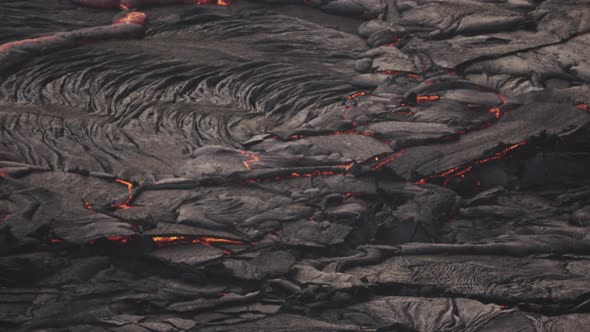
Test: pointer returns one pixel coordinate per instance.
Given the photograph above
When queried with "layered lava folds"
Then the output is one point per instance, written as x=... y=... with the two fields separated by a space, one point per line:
x=338 y=165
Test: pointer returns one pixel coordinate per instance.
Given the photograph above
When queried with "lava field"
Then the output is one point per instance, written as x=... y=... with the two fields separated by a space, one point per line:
x=294 y=165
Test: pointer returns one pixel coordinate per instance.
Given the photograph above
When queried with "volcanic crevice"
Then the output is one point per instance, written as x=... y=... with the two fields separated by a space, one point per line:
x=284 y=165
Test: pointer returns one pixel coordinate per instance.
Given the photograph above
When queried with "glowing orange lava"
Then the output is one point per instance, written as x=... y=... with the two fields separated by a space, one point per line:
x=461 y=171
x=496 y=111
x=253 y=158
x=427 y=98
x=125 y=204
x=132 y=18
x=207 y=241
x=357 y=94
x=387 y=160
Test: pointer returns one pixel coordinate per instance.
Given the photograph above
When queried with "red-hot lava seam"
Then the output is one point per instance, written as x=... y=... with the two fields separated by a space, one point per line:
x=336 y=170
x=253 y=158
x=132 y=17
x=162 y=241
x=387 y=160
x=426 y=98
x=358 y=94
x=342 y=169
x=126 y=204
x=461 y=171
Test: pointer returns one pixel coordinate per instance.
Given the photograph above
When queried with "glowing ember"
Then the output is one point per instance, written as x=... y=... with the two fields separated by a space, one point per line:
x=461 y=171
x=583 y=107
x=56 y=241
x=132 y=18
x=357 y=94
x=496 y=111
x=427 y=98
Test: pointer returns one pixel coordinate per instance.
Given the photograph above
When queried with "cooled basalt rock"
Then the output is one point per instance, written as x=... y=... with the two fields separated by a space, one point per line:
x=347 y=165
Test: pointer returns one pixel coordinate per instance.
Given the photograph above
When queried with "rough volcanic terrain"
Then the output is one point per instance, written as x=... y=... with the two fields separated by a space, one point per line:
x=294 y=165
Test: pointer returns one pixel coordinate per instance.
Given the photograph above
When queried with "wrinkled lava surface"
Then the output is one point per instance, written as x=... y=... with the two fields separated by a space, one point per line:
x=285 y=165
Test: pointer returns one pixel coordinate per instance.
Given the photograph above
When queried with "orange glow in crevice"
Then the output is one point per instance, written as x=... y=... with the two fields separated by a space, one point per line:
x=162 y=241
x=358 y=94
x=387 y=160
x=462 y=171
x=131 y=18
x=253 y=158
x=126 y=203
x=426 y=98
x=584 y=107
x=335 y=170
x=496 y=111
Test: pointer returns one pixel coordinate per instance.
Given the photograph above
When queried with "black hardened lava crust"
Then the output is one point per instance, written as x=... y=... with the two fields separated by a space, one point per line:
x=294 y=165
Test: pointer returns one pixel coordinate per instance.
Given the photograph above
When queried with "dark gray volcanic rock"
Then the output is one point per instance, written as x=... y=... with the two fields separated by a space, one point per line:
x=334 y=165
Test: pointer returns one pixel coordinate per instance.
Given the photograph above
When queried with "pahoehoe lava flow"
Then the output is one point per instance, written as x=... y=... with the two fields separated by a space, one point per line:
x=294 y=165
